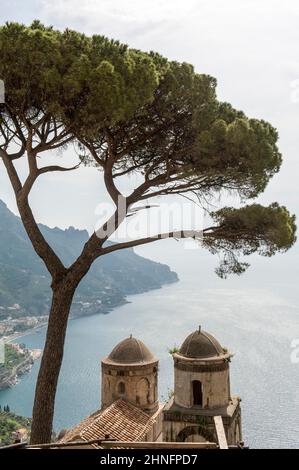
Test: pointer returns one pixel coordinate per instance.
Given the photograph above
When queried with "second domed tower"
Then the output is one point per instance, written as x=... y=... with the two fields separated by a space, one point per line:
x=130 y=372
x=201 y=393
x=201 y=371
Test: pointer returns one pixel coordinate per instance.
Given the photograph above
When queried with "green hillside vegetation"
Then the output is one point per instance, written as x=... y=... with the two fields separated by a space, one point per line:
x=10 y=422
x=12 y=358
x=25 y=281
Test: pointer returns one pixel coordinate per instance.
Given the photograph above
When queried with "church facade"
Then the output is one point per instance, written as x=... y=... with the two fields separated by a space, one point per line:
x=130 y=408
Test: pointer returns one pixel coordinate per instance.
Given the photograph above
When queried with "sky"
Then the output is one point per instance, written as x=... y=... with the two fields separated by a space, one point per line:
x=250 y=46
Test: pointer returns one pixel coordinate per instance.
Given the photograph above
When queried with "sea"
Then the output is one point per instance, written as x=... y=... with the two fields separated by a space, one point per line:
x=254 y=316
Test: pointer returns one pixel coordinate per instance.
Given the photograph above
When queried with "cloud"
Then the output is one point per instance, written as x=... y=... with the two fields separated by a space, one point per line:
x=117 y=18
x=251 y=46
x=125 y=12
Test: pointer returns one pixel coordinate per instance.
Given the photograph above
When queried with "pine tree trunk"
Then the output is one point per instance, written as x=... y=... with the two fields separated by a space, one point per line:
x=43 y=408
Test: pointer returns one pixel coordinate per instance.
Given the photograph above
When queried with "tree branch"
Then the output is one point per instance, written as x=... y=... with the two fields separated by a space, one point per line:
x=112 y=190
x=52 y=168
x=35 y=173
x=181 y=234
x=41 y=246
x=11 y=171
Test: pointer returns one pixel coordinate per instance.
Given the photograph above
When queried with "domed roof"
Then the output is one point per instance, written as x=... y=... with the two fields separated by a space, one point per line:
x=200 y=344
x=131 y=351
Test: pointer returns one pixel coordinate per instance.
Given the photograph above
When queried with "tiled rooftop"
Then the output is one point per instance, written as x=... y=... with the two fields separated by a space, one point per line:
x=121 y=421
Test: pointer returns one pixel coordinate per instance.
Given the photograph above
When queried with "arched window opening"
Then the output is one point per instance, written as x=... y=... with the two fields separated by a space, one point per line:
x=197 y=392
x=143 y=392
x=121 y=388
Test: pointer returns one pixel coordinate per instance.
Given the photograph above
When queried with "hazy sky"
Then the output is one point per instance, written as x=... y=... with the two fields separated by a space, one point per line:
x=250 y=46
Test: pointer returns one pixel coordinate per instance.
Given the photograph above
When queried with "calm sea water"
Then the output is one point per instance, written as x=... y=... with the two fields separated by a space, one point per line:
x=257 y=324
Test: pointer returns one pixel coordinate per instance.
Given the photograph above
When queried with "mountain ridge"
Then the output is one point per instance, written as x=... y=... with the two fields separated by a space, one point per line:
x=25 y=282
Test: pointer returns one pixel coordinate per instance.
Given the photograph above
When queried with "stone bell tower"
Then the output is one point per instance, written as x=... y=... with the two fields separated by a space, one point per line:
x=201 y=391
x=130 y=372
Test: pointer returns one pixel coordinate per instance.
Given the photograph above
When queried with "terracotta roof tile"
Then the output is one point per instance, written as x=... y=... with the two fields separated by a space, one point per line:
x=121 y=420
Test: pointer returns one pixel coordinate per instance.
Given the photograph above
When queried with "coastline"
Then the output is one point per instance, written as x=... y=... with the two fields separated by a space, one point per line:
x=35 y=354
x=13 y=337
x=10 y=377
